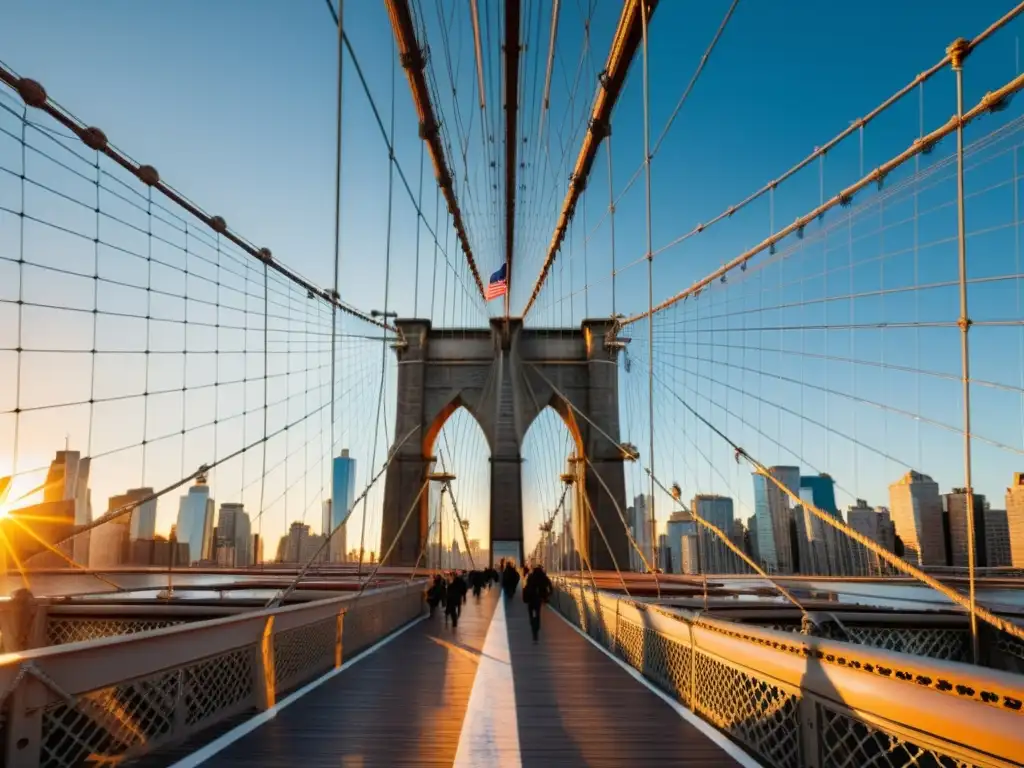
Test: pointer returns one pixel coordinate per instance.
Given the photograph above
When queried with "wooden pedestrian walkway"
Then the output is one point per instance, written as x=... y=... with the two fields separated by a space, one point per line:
x=558 y=702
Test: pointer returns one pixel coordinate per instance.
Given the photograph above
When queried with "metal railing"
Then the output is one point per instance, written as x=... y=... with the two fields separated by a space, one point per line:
x=794 y=700
x=115 y=698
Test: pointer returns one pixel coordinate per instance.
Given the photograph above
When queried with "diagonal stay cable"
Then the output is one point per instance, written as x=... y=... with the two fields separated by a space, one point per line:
x=279 y=598
x=895 y=561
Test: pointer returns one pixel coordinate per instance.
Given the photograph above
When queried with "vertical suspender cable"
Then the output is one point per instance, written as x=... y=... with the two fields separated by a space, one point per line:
x=650 y=288
x=957 y=53
x=337 y=241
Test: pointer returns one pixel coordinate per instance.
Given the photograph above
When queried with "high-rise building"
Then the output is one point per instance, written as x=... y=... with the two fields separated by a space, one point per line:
x=1015 y=519
x=916 y=509
x=68 y=480
x=715 y=555
x=110 y=545
x=752 y=548
x=689 y=558
x=954 y=509
x=997 y=538
x=774 y=516
x=234 y=536
x=195 y=521
x=337 y=508
x=299 y=545
x=641 y=525
x=143 y=516
x=680 y=523
x=821 y=548
x=877 y=526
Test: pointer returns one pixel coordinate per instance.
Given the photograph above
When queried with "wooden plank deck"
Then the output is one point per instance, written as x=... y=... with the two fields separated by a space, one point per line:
x=577 y=707
x=405 y=705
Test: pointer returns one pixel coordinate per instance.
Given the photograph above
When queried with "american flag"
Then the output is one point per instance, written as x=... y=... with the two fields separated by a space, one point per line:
x=498 y=285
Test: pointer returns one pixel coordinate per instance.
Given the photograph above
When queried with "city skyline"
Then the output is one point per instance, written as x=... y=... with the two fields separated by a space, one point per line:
x=125 y=457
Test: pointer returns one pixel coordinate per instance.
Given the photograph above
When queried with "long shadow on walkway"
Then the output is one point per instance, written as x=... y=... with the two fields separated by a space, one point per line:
x=402 y=706
x=575 y=706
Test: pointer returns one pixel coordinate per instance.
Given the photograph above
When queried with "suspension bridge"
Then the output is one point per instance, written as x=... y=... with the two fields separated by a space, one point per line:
x=751 y=394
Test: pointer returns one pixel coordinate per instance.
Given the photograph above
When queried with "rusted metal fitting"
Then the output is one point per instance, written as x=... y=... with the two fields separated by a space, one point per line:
x=957 y=52
x=964 y=323
x=219 y=225
x=94 y=138
x=413 y=59
x=32 y=92
x=148 y=175
x=601 y=129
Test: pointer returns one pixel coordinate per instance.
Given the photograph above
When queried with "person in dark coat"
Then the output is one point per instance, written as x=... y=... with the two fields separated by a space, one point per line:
x=476 y=582
x=456 y=594
x=536 y=592
x=436 y=594
x=509 y=580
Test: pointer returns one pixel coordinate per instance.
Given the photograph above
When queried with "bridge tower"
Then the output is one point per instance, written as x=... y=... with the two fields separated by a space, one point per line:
x=505 y=376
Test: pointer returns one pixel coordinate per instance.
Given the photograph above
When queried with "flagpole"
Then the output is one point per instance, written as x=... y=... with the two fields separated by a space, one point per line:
x=508 y=290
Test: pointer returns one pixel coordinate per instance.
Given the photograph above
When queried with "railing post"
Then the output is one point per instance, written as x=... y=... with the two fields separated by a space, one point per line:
x=338 y=647
x=808 y=709
x=615 y=635
x=264 y=676
x=24 y=626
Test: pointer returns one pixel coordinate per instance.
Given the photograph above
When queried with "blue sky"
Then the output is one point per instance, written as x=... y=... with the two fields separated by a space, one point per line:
x=233 y=102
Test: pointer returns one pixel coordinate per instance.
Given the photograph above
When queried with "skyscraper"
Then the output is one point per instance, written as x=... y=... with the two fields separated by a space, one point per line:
x=299 y=545
x=774 y=515
x=997 y=538
x=954 y=507
x=917 y=514
x=640 y=525
x=234 y=536
x=1015 y=519
x=877 y=526
x=822 y=549
x=143 y=517
x=68 y=480
x=715 y=555
x=336 y=510
x=195 y=521
x=110 y=544
x=680 y=524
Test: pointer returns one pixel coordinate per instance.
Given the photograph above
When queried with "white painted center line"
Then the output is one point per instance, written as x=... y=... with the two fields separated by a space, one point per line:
x=490 y=732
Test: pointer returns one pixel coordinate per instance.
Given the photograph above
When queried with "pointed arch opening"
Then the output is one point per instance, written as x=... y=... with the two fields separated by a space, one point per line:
x=552 y=448
x=456 y=515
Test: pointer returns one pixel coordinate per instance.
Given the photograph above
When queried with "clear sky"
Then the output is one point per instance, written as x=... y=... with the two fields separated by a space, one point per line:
x=233 y=102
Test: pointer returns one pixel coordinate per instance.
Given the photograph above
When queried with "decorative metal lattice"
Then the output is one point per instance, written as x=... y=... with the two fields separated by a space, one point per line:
x=664 y=661
x=1010 y=645
x=947 y=644
x=303 y=652
x=756 y=713
x=112 y=724
x=105 y=726
x=60 y=631
x=848 y=743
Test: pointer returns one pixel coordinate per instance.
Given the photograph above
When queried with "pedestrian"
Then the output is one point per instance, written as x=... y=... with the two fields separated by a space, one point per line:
x=509 y=580
x=536 y=592
x=436 y=594
x=456 y=594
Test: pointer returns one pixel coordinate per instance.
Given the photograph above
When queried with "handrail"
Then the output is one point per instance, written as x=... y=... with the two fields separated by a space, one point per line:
x=206 y=670
x=964 y=711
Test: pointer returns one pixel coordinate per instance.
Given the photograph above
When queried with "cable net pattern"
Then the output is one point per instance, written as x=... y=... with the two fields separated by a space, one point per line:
x=67 y=630
x=303 y=652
